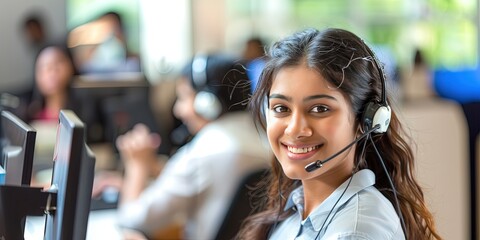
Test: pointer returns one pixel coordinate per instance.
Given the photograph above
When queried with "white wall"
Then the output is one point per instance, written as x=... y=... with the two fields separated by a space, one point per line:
x=165 y=37
x=16 y=66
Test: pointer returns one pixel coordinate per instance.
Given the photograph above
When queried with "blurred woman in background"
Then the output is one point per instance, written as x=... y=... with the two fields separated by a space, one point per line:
x=54 y=71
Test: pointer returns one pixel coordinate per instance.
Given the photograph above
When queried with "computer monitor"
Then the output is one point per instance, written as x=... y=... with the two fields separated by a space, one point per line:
x=18 y=145
x=113 y=103
x=72 y=180
x=93 y=90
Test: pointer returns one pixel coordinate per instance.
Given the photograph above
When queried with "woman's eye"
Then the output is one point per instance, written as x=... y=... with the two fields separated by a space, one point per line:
x=320 y=109
x=279 y=109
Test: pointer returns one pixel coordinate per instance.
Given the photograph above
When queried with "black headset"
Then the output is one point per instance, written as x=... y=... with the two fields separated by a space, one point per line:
x=206 y=103
x=377 y=113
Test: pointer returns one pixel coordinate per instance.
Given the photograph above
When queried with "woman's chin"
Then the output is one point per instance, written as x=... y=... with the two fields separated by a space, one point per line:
x=295 y=172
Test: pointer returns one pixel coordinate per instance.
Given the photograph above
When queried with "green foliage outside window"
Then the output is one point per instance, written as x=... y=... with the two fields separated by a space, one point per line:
x=444 y=30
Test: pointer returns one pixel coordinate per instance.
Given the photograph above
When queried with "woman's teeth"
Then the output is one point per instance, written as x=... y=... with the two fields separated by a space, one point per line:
x=301 y=150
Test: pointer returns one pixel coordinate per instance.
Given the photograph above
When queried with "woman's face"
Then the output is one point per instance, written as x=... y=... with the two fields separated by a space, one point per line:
x=53 y=71
x=308 y=119
x=183 y=107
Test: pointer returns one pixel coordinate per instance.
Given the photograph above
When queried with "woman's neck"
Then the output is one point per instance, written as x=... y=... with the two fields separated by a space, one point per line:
x=318 y=189
x=54 y=103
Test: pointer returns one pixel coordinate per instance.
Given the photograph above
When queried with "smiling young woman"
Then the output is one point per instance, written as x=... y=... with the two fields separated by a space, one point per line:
x=322 y=96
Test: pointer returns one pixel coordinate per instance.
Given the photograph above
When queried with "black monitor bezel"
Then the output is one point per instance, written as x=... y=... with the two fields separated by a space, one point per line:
x=72 y=179
x=17 y=133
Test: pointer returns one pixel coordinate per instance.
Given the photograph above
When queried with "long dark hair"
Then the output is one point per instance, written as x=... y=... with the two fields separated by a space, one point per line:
x=344 y=60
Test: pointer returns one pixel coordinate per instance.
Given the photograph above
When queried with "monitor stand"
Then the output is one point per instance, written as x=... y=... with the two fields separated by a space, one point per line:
x=18 y=202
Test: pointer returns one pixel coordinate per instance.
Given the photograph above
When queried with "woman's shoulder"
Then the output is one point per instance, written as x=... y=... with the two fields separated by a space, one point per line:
x=233 y=127
x=235 y=133
x=373 y=214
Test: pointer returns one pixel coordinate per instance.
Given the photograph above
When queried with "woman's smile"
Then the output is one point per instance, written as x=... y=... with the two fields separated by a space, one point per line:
x=296 y=152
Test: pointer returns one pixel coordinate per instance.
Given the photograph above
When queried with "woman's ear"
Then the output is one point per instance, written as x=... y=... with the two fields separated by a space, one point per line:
x=359 y=130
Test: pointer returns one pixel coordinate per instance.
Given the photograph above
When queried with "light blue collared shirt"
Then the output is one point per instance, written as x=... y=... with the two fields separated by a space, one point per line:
x=361 y=213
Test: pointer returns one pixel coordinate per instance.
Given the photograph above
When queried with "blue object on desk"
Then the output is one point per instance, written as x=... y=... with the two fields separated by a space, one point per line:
x=462 y=85
x=2 y=175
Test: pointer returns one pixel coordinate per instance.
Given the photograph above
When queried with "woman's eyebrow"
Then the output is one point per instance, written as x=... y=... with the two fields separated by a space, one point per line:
x=309 y=98
x=319 y=96
x=280 y=96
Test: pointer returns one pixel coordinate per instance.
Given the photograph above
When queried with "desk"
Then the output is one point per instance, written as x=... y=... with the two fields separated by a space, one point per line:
x=101 y=225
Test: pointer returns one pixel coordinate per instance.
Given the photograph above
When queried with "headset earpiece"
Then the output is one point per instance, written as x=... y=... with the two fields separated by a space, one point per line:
x=206 y=103
x=376 y=114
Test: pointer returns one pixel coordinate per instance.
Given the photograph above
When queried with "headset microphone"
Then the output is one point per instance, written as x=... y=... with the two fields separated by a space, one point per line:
x=319 y=163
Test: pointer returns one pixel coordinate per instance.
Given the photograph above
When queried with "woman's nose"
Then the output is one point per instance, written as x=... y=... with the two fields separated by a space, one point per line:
x=298 y=126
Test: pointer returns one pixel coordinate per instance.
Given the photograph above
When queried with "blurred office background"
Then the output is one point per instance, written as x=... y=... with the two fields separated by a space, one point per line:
x=430 y=49
x=166 y=33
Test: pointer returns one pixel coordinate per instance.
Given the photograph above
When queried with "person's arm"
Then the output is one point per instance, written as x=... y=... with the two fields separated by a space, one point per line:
x=138 y=152
x=150 y=206
x=168 y=199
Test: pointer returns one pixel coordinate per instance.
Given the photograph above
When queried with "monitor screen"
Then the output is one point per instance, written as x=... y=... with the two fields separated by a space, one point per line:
x=113 y=103
x=72 y=179
x=93 y=90
x=18 y=145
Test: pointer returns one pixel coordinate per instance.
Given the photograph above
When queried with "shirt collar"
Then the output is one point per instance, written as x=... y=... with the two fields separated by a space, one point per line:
x=360 y=180
x=295 y=199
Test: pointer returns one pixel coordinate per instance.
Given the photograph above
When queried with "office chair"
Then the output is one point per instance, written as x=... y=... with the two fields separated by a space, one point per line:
x=241 y=206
